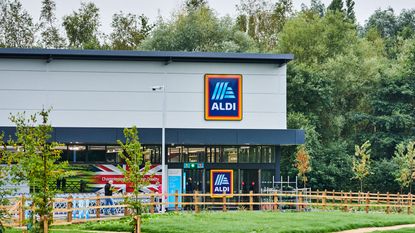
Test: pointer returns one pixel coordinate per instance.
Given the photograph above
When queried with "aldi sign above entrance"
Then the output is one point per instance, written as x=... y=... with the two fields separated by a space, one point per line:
x=221 y=181
x=223 y=97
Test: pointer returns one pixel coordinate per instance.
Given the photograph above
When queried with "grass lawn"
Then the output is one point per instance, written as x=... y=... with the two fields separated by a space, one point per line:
x=244 y=221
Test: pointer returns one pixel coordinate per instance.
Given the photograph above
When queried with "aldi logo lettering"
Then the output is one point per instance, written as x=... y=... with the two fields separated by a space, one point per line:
x=221 y=181
x=223 y=97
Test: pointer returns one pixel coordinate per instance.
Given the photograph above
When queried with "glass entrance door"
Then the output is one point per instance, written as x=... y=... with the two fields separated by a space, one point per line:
x=195 y=180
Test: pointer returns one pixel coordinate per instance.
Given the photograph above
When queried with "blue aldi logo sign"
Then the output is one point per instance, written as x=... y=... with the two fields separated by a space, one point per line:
x=221 y=181
x=223 y=97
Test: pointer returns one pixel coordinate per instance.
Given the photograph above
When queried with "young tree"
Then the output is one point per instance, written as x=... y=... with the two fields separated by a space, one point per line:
x=136 y=170
x=129 y=30
x=404 y=157
x=36 y=161
x=16 y=25
x=82 y=27
x=302 y=163
x=51 y=37
x=361 y=162
x=4 y=179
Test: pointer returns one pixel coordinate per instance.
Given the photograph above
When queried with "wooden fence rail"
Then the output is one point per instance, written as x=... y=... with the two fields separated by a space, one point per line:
x=79 y=209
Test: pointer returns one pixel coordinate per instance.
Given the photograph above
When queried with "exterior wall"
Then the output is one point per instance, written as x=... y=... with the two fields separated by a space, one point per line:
x=85 y=93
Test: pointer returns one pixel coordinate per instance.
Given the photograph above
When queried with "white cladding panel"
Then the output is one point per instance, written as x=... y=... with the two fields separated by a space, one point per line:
x=119 y=93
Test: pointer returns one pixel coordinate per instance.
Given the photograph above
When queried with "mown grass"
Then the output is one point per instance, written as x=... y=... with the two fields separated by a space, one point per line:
x=244 y=221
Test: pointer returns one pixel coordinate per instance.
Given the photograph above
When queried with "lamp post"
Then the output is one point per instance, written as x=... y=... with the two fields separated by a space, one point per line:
x=163 y=149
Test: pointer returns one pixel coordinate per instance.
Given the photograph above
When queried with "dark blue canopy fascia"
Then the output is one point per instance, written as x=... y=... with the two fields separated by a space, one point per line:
x=177 y=136
x=166 y=56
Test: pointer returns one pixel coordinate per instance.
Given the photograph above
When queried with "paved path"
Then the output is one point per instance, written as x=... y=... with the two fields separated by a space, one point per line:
x=372 y=229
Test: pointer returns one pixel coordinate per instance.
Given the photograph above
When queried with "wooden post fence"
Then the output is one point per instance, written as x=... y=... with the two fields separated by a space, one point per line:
x=276 y=201
x=387 y=203
x=323 y=201
x=98 y=205
x=151 y=203
x=409 y=203
x=224 y=201
x=21 y=210
x=196 y=201
x=69 y=205
x=367 y=202
x=251 y=200
x=176 y=201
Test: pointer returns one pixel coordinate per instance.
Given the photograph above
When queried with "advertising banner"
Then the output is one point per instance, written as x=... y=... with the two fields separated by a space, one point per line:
x=221 y=181
x=175 y=184
x=93 y=177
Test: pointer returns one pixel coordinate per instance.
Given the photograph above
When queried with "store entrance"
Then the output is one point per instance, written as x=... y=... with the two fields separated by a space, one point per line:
x=194 y=180
x=249 y=180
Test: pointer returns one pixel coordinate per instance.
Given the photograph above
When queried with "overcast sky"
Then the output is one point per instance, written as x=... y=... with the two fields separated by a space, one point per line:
x=153 y=8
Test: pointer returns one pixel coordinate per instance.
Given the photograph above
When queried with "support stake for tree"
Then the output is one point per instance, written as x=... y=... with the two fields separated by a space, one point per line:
x=137 y=224
x=45 y=224
x=367 y=202
x=409 y=203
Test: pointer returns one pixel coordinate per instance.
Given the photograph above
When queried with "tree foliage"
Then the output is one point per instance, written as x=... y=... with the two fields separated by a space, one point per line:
x=136 y=171
x=361 y=162
x=82 y=27
x=303 y=164
x=50 y=34
x=35 y=158
x=197 y=30
x=129 y=31
x=17 y=29
x=404 y=157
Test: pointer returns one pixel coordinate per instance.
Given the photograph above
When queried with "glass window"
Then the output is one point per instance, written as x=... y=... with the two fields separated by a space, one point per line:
x=250 y=154
x=266 y=179
x=175 y=154
x=268 y=154
x=112 y=154
x=152 y=154
x=96 y=154
x=230 y=154
x=213 y=154
x=196 y=154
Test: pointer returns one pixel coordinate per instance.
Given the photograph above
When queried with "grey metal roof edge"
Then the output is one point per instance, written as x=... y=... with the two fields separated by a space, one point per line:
x=167 y=56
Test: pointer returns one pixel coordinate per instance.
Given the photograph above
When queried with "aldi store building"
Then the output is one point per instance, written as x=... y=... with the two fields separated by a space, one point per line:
x=219 y=110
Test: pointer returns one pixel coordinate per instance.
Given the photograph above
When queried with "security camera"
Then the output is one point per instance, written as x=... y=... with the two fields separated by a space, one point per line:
x=157 y=88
